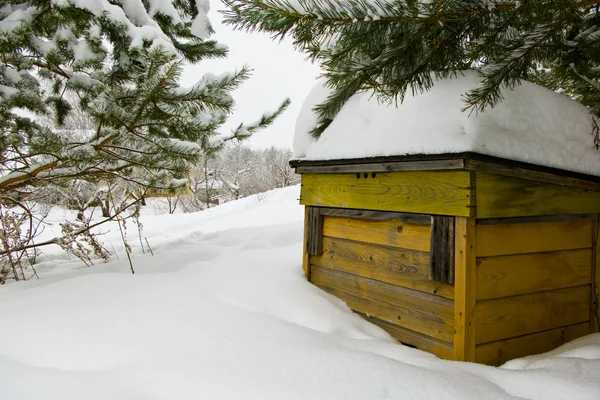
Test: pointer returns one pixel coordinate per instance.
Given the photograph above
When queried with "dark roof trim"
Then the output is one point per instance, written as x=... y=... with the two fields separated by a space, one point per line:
x=452 y=161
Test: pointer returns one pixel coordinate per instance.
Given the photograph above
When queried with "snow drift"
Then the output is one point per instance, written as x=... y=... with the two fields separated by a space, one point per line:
x=223 y=311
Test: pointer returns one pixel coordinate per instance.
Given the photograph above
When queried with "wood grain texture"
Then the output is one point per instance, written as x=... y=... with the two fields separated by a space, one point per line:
x=464 y=289
x=508 y=317
x=495 y=240
x=422 y=342
x=536 y=218
x=315 y=231
x=442 y=249
x=533 y=173
x=305 y=255
x=501 y=196
x=401 y=267
x=497 y=353
x=387 y=233
x=427 y=192
x=433 y=165
x=506 y=276
x=378 y=215
x=410 y=309
x=475 y=162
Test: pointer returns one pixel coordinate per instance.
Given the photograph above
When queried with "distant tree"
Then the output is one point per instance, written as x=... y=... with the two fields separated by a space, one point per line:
x=234 y=172
x=395 y=46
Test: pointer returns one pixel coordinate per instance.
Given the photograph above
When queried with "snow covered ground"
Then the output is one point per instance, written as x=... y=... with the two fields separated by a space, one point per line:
x=222 y=311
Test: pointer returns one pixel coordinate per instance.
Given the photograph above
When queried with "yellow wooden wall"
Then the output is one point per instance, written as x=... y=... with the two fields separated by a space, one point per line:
x=533 y=287
x=381 y=270
x=425 y=192
x=520 y=287
x=501 y=196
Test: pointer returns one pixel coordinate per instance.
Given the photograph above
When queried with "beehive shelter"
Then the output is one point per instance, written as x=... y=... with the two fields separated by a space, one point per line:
x=466 y=255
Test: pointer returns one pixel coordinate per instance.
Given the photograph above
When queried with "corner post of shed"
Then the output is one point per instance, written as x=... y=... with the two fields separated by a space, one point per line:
x=464 y=289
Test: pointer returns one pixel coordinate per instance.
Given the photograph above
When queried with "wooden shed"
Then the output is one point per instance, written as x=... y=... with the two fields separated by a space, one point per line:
x=469 y=257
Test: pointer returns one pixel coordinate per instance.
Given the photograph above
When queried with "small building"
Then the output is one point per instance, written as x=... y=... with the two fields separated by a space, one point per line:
x=469 y=256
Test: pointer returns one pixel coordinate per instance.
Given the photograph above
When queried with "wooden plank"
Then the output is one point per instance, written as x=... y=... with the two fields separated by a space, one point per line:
x=534 y=173
x=400 y=267
x=537 y=218
x=315 y=231
x=475 y=162
x=413 y=310
x=433 y=165
x=387 y=233
x=497 y=353
x=530 y=273
x=464 y=289
x=426 y=192
x=501 y=196
x=414 y=339
x=379 y=215
x=442 y=249
x=595 y=277
x=496 y=240
x=521 y=315
x=305 y=255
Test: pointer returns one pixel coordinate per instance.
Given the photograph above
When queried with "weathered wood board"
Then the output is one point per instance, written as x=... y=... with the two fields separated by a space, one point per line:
x=534 y=237
x=305 y=253
x=508 y=317
x=401 y=267
x=501 y=196
x=314 y=223
x=497 y=353
x=422 y=342
x=442 y=249
x=464 y=290
x=512 y=275
x=427 y=192
x=413 y=310
x=387 y=233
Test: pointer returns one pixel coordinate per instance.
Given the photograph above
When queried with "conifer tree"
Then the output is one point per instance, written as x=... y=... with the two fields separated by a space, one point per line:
x=122 y=61
x=395 y=46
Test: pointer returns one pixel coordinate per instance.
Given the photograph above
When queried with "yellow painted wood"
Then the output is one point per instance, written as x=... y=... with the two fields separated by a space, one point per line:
x=305 y=255
x=410 y=309
x=502 y=196
x=508 y=317
x=595 y=292
x=497 y=353
x=401 y=267
x=422 y=342
x=464 y=289
x=505 y=276
x=388 y=233
x=426 y=192
x=536 y=237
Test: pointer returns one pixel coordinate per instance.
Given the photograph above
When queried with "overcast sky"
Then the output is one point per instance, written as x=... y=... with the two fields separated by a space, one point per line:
x=279 y=72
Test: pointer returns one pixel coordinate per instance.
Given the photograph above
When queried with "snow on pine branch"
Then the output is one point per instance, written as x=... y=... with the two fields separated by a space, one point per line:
x=139 y=23
x=243 y=131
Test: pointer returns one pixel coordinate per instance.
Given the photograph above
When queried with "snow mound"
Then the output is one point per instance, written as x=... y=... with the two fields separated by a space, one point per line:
x=222 y=311
x=532 y=124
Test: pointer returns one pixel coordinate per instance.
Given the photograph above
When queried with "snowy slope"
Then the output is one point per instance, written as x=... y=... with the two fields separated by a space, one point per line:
x=532 y=124
x=222 y=311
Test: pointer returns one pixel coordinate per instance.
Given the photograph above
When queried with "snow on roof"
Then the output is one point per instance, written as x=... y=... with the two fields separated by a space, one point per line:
x=532 y=124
